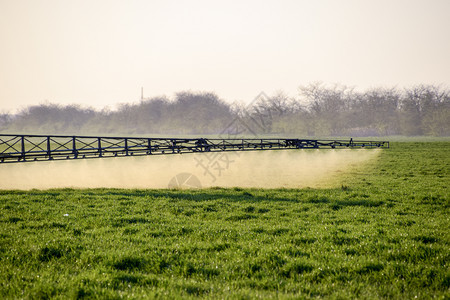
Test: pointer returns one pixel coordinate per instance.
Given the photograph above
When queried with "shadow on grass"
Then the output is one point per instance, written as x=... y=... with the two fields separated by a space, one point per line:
x=237 y=194
x=355 y=202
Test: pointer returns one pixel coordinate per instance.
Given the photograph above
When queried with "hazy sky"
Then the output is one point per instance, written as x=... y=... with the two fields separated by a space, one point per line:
x=101 y=52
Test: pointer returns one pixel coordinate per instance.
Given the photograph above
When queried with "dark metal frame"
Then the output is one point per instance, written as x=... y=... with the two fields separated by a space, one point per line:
x=21 y=148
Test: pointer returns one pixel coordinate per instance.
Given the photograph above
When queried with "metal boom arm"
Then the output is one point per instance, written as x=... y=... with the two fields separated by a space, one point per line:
x=21 y=148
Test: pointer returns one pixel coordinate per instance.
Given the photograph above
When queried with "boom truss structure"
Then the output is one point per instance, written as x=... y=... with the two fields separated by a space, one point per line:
x=23 y=148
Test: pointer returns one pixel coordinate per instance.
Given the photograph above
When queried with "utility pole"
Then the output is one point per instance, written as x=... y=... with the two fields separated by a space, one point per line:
x=142 y=94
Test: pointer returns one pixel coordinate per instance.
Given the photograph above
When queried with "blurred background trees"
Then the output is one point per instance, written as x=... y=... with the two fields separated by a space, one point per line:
x=318 y=110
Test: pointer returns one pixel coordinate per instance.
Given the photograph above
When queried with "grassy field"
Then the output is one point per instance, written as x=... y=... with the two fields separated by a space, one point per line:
x=383 y=233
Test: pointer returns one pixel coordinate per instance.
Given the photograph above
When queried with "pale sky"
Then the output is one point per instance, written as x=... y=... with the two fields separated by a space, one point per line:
x=101 y=52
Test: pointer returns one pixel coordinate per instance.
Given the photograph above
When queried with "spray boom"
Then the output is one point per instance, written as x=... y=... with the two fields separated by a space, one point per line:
x=22 y=148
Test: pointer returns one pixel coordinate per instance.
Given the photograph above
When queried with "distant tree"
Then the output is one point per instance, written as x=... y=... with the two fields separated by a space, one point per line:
x=319 y=111
x=266 y=114
x=51 y=119
x=5 y=119
x=377 y=109
x=328 y=107
x=199 y=112
x=262 y=114
x=151 y=114
x=424 y=110
x=286 y=114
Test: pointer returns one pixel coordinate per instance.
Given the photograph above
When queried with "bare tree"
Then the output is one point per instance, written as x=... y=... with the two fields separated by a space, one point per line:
x=327 y=107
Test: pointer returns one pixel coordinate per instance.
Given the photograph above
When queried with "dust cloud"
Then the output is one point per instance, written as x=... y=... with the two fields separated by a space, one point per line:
x=259 y=169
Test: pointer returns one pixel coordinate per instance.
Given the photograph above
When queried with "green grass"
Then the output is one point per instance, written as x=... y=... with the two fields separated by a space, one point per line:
x=384 y=233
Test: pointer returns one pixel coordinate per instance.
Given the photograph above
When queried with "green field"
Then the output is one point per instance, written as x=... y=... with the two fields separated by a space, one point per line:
x=383 y=233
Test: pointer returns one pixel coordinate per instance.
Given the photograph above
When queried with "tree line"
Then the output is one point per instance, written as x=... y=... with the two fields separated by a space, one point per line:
x=318 y=110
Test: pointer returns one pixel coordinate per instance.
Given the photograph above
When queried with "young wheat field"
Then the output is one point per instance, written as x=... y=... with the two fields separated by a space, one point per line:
x=382 y=232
